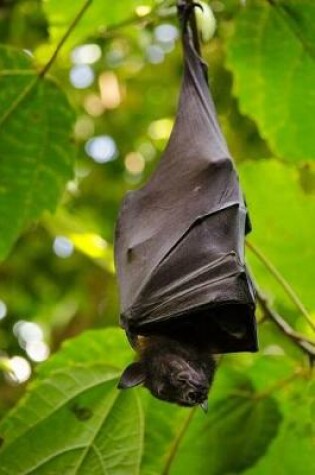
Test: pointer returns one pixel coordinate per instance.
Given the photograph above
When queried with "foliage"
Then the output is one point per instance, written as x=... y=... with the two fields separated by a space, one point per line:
x=32 y=107
x=273 y=64
x=57 y=268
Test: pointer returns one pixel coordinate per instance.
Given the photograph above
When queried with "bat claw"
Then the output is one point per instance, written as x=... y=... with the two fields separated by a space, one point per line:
x=204 y=406
x=186 y=10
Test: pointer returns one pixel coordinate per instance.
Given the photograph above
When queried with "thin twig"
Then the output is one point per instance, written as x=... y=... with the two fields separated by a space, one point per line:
x=279 y=385
x=135 y=20
x=25 y=92
x=282 y=281
x=71 y=27
x=131 y=21
x=305 y=344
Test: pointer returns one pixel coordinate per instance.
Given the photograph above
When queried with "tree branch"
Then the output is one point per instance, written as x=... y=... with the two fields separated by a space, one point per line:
x=305 y=344
x=282 y=281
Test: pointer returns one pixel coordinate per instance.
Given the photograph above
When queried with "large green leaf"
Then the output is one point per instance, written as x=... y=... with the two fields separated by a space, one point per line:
x=234 y=435
x=181 y=440
x=167 y=424
x=283 y=228
x=36 y=151
x=272 y=58
x=292 y=452
x=74 y=420
x=108 y=346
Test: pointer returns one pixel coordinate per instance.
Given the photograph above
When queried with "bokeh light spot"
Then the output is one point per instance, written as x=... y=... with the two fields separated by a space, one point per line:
x=101 y=149
x=62 y=247
x=110 y=91
x=37 y=350
x=27 y=331
x=86 y=54
x=143 y=10
x=147 y=150
x=155 y=54
x=3 y=310
x=81 y=76
x=84 y=127
x=134 y=163
x=93 y=105
x=20 y=370
x=160 y=129
x=166 y=33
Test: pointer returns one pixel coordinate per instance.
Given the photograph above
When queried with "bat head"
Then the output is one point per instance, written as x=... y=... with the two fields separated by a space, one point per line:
x=172 y=372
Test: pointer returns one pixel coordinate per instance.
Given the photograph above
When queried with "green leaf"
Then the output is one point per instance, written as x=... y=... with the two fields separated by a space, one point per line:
x=188 y=441
x=166 y=424
x=272 y=58
x=282 y=227
x=108 y=345
x=73 y=419
x=97 y=17
x=235 y=434
x=36 y=151
x=292 y=451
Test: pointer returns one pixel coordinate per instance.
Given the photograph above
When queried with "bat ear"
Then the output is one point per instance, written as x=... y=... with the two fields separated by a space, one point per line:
x=132 y=376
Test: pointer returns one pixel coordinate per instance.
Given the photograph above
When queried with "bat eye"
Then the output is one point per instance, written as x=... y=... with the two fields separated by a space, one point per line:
x=191 y=396
x=182 y=381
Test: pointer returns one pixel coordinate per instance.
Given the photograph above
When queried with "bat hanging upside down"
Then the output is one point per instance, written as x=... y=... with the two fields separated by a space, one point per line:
x=185 y=291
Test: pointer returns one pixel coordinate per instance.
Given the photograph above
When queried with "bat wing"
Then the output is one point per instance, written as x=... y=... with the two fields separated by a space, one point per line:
x=180 y=239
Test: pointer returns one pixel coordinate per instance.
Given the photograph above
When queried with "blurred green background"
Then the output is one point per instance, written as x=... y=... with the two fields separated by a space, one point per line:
x=75 y=137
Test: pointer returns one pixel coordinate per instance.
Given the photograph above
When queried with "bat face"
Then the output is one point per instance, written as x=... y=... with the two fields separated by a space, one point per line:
x=172 y=378
x=172 y=372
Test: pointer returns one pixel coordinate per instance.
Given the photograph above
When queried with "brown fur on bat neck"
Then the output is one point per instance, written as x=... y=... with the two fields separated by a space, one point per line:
x=173 y=370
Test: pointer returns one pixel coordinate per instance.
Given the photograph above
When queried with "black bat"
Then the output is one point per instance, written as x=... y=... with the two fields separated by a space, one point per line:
x=184 y=288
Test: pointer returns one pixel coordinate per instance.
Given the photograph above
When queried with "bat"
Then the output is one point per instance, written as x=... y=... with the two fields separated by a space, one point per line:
x=185 y=291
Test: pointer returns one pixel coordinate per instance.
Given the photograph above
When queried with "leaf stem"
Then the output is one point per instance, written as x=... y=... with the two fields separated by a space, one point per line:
x=282 y=281
x=289 y=19
x=305 y=344
x=279 y=385
x=71 y=27
x=27 y=90
x=177 y=441
x=131 y=21
x=135 y=20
